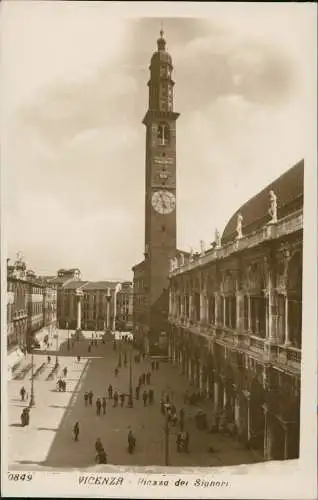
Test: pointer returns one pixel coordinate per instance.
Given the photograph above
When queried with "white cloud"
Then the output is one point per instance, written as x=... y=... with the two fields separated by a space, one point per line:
x=74 y=142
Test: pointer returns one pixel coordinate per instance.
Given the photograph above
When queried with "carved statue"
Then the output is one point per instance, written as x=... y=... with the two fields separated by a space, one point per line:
x=202 y=247
x=272 y=206
x=171 y=265
x=191 y=255
x=239 y=223
x=217 y=238
x=176 y=263
x=182 y=259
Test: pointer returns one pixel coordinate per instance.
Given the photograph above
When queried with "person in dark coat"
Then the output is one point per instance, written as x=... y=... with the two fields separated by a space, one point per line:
x=131 y=442
x=101 y=457
x=98 y=406
x=22 y=393
x=150 y=396
x=76 y=431
x=110 y=391
x=148 y=375
x=122 y=399
x=104 y=405
x=179 y=437
x=143 y=378
x=167 y=399
x=186 y=442
x=115 y=399
x=145 y=397
x=86 y=398
x=98 y=445
x=162 y=406
x=63 y=385
x=152 y=365
x=137 y=391
x=116 y=371
x=49 y=359
x=181 y=419
x=89 y=348
x=65 y=372
x=90 y=397
x=140 y=380
x=157 y=365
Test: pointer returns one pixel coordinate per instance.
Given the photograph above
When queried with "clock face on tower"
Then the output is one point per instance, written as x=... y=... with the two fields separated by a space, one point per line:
x=163 y=202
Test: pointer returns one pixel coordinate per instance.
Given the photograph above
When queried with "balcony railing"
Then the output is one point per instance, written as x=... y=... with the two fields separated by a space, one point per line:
x=287 y=225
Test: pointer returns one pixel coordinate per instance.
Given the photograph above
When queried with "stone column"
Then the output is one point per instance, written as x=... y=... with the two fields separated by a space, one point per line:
x=249 y=316
x=237 y=411
x=170 y=303
x=239 y=311
x=248 y=400
x=216 y=396
x=267 y=435
x=287 y=341
x=224 y=309
x=217 y=308
x=79 y=313
x=200 y=378
x=189 y=369
x=286 y=454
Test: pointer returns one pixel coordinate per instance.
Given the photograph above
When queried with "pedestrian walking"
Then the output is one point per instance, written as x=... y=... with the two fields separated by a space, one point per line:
x=78 y=359
x=22 y=393
x=101 y=457
x=89 y=348
x=150 y=396
x=162 y=406
x=90 y=397
x=137 y=392
x=125 y=359
x=104 y=405
x=98 y=445
x=115 y=399
x=145 y=397
x=122 y=399
x=116 y=371
x=76 y=431
x=63 y=383
x=179 y=439
x=95 y=342
x=152 y=365
x=98 y=406
x=186 y=442
x=143 y=355
x=148 y=375
x=143 y=378
x=181 y=419
x=131 y=442
x=49 y=359
x=86 y=398
x=65 y=372
x=110 y=391
x=157 y=365
x=140 y=381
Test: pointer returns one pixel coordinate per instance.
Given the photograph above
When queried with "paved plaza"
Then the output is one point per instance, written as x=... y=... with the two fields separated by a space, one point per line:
x=48 y=440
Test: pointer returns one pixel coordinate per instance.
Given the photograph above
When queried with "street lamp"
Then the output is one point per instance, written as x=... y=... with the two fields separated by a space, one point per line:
x=130 y=397
x=57 y=347
x=68 y=336
x=32 y=397
x=166 y=429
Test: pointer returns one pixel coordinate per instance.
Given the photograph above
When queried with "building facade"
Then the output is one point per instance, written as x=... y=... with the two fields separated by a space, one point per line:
x=235 y=315
x=151 y=275
x=124 y=309
x=88 y=305
x=31 y=305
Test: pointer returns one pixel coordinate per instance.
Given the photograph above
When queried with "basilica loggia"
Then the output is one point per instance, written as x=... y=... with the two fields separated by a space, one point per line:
x=235 y=315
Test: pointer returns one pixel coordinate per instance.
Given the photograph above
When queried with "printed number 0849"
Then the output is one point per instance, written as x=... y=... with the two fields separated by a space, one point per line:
x=19 y=477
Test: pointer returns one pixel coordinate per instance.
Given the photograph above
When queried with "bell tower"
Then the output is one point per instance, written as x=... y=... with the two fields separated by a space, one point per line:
x=160 y=189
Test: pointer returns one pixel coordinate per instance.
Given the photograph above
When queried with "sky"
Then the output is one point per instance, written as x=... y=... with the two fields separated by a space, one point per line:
x=73 y=97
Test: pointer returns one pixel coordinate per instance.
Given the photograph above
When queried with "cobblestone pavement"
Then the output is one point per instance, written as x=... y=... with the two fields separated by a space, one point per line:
x=48 y=439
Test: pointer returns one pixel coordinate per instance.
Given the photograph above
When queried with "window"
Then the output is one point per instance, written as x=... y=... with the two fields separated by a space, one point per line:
x=163 y=134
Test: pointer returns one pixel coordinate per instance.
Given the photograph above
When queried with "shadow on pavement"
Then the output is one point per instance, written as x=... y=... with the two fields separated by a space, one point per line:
x=58 y=406
x=46 y=429
x=15 y=425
